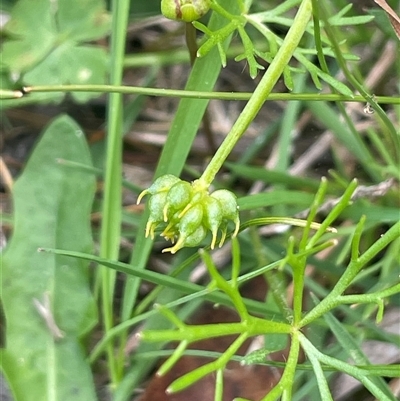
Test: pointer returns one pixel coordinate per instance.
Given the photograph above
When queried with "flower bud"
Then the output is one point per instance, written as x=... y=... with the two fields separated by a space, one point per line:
x=185 y=10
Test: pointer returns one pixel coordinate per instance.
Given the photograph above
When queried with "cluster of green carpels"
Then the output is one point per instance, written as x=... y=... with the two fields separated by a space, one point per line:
x=185 y=10
x=186 y=211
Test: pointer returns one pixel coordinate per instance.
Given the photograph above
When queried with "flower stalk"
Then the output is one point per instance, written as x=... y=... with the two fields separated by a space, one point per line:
x=187 y=211
x=262 y=91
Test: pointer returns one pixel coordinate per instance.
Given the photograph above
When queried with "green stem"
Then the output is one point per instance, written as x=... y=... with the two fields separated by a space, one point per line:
x=275 y=279
x=332 y=299
x=111 y=210
x=195 y=375
x=298 y=261
x=230 y=288
x=299 y=266
x=221 y=11
x=252 y=326
x=369 y=298
x=287 y=380
x=191 y=43
x=10 y=94
x=138 y=90
x=262 y=91
x=356 y=372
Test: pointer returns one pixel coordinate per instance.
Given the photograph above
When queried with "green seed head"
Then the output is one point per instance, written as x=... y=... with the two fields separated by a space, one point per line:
x=189 y=211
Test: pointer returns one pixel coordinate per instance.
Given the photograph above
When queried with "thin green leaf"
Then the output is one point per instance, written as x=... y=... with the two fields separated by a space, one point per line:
x=351 y=21
x=272 y=176
x=174 y=283
x=320 y=376
x=353 y=350
x=317 y=72
x=342 y=12
x=339 y=86
x=287 y=78
x=346 y=368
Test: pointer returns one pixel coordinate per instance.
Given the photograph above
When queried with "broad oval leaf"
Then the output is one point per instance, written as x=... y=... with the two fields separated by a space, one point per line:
x=46 y=298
